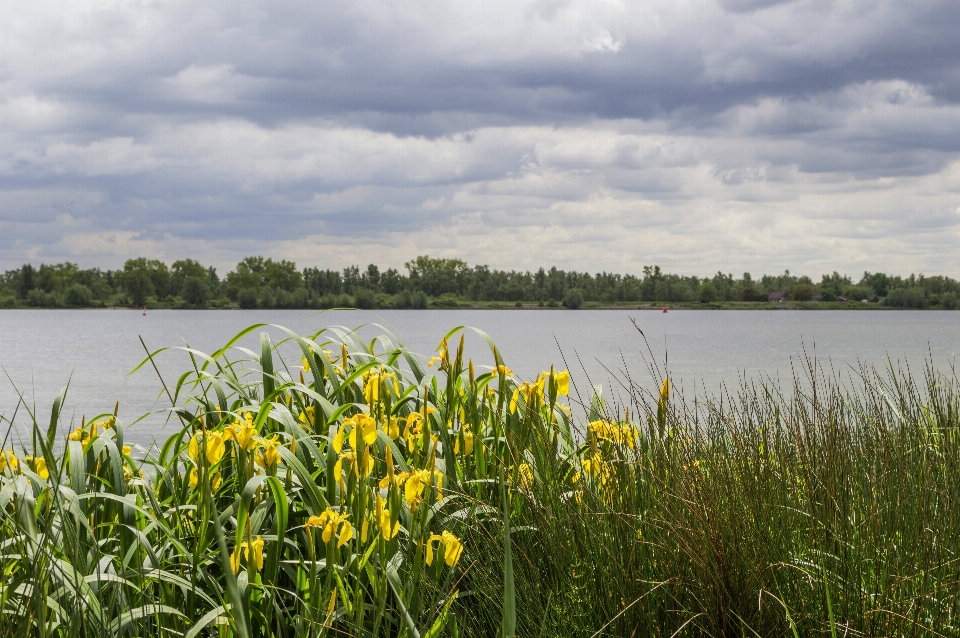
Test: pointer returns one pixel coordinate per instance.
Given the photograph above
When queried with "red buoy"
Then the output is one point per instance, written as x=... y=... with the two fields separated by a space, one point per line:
x=145 y=311
x=664 y=309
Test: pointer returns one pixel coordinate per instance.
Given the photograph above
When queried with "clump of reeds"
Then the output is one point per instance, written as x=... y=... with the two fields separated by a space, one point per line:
x=353 y=493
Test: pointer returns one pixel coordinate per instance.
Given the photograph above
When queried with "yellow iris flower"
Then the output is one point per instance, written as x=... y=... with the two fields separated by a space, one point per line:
x=416 y=483
x=269 y=456
x=467 y=443
x=38 y=465
x=452 y=548
x=562 y=379
x=8 y=459
x=243 y=434
x=213 y=447
x=383 y=521
x=351 y=457
x=365 y=424
x=333 y=524
x=307 y=417
x=501 y=370
x=249 y=551
x=215 y=480
x=413 y=430
x=393 y=427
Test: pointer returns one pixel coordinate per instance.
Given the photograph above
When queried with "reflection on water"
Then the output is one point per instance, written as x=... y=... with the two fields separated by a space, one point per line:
x=93 y=350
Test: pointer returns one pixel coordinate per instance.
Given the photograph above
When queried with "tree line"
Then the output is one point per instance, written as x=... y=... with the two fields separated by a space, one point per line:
x=260 y=282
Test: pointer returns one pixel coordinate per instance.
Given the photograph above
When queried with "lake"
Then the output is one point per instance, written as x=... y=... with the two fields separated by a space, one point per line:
x=93 y=350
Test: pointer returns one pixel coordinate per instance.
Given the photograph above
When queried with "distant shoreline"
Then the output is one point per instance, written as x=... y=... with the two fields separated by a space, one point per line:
x=465 y=305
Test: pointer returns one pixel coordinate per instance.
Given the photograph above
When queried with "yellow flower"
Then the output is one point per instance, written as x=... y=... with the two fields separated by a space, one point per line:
x=414 y=429
x=307 y=416
x=596 y=468
x=665 y=390
x=383 y=521
x=269 y=456
x=526 y=391
x=333 y=524
x=213 y=447
x=526 y=476
x=415 y=484
x=364 y=423
x=562 y=379
x=625 y=434
x=8 y=459
x=371 y=386
x=452 y=548
x=79 y=435
x=215 y=480
x=40 y=467
x=398 y=480
x=249 y=551
x=243 y=434
x=501 y=370
x=467 y=443
x=393 y=427
x=351 y=457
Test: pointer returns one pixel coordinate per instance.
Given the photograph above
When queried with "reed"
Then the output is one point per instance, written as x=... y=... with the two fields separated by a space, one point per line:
x=353 y=490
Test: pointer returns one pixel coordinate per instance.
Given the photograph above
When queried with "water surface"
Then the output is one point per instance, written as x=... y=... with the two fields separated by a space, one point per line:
x=93 y=350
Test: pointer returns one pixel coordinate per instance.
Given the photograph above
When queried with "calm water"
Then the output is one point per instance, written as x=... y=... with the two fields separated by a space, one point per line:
x=41 y=350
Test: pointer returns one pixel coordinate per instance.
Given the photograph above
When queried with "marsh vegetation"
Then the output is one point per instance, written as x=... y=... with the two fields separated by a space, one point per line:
x=328 y=486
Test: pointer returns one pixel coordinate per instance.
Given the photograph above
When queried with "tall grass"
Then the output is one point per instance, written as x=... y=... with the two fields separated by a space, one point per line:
x=357 y=491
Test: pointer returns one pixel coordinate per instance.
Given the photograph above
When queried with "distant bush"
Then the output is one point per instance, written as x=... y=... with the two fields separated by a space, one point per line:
x=906 y=298
x=196 y=291
x=365 y=299
x=802 y=292
x=247 y=299
x=8 y=302
x=78 y=295
x=751 y=293
x=948 y=300
x=39 y=299
x=858 y=293
x=708 y=292
x=573 y=299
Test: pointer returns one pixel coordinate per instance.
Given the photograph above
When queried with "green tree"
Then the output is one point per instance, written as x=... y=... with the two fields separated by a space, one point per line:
x=802 y=292
x=155 y=272
x=138 y=286
x=750 y=293
x=183 y=269
x=708 y=292
x=259 y=272
x=78 y=295
x=27 y=281
x=573 y=299
x=196 y=291
x=438 y=276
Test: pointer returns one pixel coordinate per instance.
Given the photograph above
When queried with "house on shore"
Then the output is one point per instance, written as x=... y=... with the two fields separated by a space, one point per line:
x=778 y=296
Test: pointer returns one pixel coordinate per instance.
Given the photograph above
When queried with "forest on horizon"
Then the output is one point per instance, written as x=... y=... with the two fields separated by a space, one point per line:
x=261 y=282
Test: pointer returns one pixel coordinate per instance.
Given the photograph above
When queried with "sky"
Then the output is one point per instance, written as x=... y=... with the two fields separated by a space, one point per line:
x=597 y=135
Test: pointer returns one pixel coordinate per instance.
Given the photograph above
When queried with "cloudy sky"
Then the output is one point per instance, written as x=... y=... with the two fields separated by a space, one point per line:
x=759 y=135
